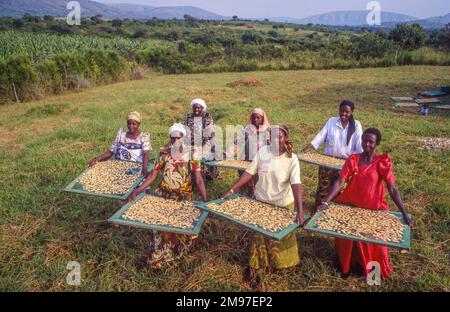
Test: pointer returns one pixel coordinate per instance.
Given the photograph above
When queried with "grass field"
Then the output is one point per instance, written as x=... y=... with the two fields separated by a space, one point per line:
x=45 y=144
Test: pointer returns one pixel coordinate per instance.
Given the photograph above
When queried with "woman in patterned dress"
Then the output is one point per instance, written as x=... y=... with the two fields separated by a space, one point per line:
x=201 y=134
x=177 y=168
x=131 y=145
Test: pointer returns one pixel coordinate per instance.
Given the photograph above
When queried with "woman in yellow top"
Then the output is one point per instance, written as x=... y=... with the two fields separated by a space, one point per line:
x=278 y=184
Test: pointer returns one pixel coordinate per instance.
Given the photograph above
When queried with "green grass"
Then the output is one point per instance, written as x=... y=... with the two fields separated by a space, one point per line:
x=45 y=144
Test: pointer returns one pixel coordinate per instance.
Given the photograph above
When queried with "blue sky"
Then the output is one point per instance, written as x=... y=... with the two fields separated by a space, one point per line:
x=302 y=8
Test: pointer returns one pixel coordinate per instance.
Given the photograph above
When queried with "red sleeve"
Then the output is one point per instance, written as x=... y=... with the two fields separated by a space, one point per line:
x=349 y=167
x=385 y=169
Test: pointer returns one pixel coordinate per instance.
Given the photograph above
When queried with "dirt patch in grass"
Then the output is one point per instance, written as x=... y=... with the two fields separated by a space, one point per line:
x=245 y=82
x=8 y=139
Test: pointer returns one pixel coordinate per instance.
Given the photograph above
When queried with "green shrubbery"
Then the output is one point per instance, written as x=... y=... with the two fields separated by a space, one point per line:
x=21 y=79
x=50 y=63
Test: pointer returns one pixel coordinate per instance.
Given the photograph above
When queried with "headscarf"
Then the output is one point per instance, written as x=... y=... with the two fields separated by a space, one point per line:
x=134 y=116
x=289 y=145
x=168 y=148
x=200 y=102
x=177 y=127
x=259 y=111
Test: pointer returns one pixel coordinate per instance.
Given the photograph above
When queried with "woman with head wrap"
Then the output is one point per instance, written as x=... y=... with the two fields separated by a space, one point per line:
x=254 y=136
x=131 y=145
x=342 y=136
x=177 y=168
x=201 y=134
x=278 y=184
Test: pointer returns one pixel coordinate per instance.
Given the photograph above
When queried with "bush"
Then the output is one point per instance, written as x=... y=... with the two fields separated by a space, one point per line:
x=249 y=52
x=140 y=33
x=251 y=37
x=138 y=71
x=18 y=23
x=117 y=23
x=441 y=38
x=50 y=78
x=4 y=83
x=104 y=65
x=371 y=45
x=69 y=65
x=18 y=74
x=244 y=66
x=172 y=36
x=409 y=37
x=61 y=29
x=164 y=59
x=79 y=81
x=272 y=51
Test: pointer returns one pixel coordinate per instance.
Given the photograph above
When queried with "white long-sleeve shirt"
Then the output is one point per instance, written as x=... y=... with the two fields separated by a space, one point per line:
x=336 y=138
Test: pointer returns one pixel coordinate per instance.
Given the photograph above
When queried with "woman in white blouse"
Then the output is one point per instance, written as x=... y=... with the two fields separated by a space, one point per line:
x=278 y=184
x=342 y=136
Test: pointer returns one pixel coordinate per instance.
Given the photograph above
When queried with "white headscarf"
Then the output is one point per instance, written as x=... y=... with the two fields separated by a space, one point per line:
x=200 y=102
x=177 y=127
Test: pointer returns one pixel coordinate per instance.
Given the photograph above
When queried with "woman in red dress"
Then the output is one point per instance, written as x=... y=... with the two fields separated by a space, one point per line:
x=365 y=175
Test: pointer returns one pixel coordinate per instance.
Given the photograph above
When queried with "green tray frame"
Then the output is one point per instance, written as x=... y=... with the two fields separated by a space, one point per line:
x=71 y=187
x=215 y=163
x=433 y=93
x=274 y=235
x=117 y=219
x=406 y=244
x=299 y=155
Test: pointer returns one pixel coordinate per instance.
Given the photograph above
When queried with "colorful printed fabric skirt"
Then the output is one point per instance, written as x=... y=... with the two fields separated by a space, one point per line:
x=268 y=253
x=165 y=247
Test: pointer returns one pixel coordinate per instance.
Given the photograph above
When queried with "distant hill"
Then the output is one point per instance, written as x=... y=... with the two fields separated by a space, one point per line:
x=345 y=18
x=18 y=8
x=428 y=23
x=89 y=8
x=178 y=12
